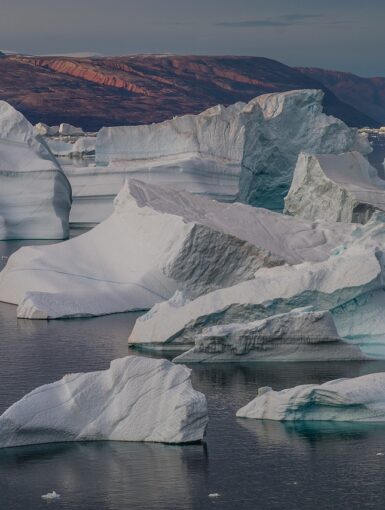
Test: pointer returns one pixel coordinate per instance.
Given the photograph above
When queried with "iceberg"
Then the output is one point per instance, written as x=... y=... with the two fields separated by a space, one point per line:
x=157 y=242
x=324 y=285
x=35 y=195
x=333 y=285
x=68 y=129
x=247 y=150
x=81 y=147
x=136 y=399
x=295 y=124
x=329 y=187
x=299 y=335
x=360 y=399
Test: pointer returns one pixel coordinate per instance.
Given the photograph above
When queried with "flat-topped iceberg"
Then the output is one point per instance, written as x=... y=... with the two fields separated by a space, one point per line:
x=247 y=149
x=136 y=399
x=157 y=242
x=35 y=195
x=299 y=335
x=329 y=187
x=359 y=399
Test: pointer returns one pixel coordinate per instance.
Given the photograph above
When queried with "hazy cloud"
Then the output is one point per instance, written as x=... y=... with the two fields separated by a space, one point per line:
x=285 y=20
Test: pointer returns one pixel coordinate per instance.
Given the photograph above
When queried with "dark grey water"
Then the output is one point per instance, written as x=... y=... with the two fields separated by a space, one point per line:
x=252 y=465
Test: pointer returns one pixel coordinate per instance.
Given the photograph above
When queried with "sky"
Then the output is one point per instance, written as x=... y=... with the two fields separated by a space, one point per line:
x=347 y=35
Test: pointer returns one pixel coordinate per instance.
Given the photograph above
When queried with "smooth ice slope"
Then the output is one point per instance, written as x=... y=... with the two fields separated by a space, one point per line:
x=342 y=187
x=158 y=241
x=358 y=399
x=136 y=399
x=299 y=335
x=151 y=246
x=35 y=195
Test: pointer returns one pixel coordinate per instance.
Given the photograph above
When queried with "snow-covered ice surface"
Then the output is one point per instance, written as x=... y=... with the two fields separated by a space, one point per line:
x=35 y=195
x=359 y=399
x=299 y=335
x=349 y=284
x=157 y=242
x=136 y=399
x=342 y=187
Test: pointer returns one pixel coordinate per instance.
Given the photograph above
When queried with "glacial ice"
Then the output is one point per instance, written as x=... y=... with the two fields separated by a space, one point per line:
x=77 y=148
x=248 y=150
x=35 y=195
x=136 y=399
x=329 y=187
x=295 y=123
x=360 y=399
x=299 y=335
x=157 y=242
x=334 y=285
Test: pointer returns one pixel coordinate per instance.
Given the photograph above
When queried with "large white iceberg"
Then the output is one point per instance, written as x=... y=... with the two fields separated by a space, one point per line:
x=299 y=335
x=35 y=195
x=324 y=285
x=295 y=123
x=359 y=399
x=158 y=242
x=342 y=187
x=349 y=284
x=136 y=399
x=247 y=149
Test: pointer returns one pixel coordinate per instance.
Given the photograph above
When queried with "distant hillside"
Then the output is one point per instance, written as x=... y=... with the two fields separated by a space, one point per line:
x=365 y=94
x=92 y=92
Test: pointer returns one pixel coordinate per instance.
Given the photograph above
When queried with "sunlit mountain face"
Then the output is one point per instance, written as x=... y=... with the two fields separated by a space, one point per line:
x=95 y=91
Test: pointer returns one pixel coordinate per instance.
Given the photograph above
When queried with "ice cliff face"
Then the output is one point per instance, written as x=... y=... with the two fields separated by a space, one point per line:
x=299 y=335
x=294 y=123
x=35 y=195
x=159 y=241
x=136 y=399
x=342 y=187
x=358 y=399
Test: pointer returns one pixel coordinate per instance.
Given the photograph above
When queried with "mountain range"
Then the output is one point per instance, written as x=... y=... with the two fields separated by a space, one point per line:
x=92 y=92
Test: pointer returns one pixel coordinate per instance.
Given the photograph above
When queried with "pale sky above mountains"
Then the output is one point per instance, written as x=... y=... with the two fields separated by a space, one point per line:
x=347 y=35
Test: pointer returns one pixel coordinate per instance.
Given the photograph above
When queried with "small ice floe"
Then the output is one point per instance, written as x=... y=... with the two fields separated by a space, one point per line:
x=214 y=495
x=51 y=496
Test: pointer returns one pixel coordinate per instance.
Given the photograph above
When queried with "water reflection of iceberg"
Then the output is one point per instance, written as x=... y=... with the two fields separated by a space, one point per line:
x=104 y=475
x=302 y=436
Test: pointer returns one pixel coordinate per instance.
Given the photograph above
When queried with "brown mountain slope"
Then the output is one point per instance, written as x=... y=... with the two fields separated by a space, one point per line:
x=92 y=92
x=366 y=94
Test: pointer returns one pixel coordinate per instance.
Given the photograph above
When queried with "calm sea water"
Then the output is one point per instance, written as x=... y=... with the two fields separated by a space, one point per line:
x=252 y=465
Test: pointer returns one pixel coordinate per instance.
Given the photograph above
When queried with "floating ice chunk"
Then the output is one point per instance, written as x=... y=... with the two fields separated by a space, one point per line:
x=342 y=187
x=35 y=195
x=136 y=399
x=51 y=495
x=300 y=335
x=358 y=399
x=68 y=129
